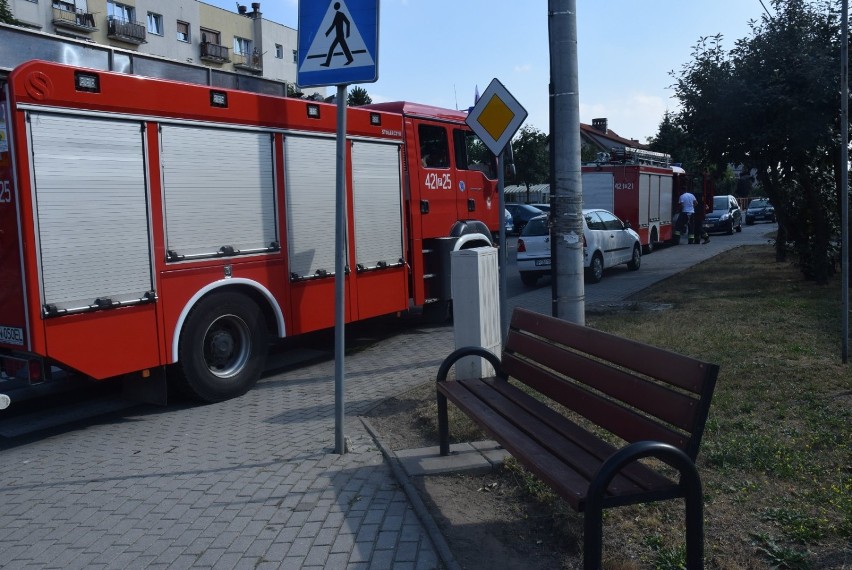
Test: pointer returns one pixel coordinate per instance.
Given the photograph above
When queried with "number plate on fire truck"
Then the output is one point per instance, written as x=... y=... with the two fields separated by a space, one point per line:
x=12 y=335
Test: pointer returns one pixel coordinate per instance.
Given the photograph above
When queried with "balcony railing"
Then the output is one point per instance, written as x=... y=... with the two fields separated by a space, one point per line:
x=248 y=62
x=214 y=52
x=125 y=31
x=73 y=19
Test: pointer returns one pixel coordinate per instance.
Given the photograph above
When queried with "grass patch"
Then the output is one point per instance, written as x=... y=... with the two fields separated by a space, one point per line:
x=776 y=459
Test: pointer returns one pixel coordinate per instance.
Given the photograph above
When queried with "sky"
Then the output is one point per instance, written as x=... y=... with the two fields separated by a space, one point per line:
x=439 y=52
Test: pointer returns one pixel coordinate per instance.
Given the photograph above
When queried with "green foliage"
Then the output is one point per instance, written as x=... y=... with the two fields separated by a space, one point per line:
x=358 y=96
x=6 y=16
x=780 y=556
x=673 y=140
x=292 y=90
x=666 y=557
x=771 y=104
x=532 y=156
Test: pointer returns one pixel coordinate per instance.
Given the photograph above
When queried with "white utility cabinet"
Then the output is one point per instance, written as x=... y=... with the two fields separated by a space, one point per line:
x=476 y=307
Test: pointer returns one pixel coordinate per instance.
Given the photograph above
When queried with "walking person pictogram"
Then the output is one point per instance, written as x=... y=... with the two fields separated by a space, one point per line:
x=340 y=20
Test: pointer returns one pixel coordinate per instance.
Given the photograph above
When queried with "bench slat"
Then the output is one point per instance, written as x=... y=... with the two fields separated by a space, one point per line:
x=670 y=367
x=569 y=441
x=677 y=409
x=543 y=448
x=615 y=418
x=562 y=478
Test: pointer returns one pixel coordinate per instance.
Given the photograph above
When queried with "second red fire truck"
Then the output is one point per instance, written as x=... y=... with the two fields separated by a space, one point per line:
x=148 y=225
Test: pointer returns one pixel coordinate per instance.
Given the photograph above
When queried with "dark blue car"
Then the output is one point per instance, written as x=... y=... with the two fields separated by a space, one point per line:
x=521 y=214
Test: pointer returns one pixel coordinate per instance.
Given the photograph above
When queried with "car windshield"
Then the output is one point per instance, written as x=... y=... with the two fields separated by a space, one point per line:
x=758 y=203
x=536 y=227
x=720 y=203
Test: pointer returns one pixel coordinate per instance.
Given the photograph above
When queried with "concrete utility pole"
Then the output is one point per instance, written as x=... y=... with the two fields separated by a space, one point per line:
x=566 y=194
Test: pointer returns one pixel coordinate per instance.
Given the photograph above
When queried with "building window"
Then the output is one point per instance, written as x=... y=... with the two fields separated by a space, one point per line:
x=155 y=24
x=64 y=6
x=279 y=51
x=183 y=31
x=211 y=37
x=242 y=46
x=121 y=12
x=295 y=56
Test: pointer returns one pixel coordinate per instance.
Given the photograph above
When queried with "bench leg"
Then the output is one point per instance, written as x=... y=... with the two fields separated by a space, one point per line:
x=443 y=425
x=694 y=523
x=592 y=537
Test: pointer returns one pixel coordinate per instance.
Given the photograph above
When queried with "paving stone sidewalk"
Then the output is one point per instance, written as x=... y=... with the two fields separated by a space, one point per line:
x=249 y=483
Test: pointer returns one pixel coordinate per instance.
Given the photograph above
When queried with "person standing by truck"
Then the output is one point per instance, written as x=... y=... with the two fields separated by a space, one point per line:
x=687 y=202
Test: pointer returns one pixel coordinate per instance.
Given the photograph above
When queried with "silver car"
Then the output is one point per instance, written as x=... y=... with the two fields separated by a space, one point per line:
x=607 y=242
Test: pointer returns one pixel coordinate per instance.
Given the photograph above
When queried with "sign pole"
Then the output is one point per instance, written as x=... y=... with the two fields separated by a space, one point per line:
x=340 y=275
x=504 y=249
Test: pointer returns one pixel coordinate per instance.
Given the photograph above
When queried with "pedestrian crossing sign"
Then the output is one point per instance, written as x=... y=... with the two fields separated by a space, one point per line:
x=338 y=42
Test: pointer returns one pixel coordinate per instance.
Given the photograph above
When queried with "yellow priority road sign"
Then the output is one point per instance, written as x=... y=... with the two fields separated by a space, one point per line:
x=496 y=117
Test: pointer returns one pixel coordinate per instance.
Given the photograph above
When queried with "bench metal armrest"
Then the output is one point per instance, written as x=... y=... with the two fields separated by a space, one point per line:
x=443 y=371
x=460 y=353
x=690 y=483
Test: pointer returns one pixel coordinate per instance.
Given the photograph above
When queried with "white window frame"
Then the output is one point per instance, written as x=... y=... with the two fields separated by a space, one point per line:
x=121 y=12
x=279 y=51
x=155 y=24
x=242 y=46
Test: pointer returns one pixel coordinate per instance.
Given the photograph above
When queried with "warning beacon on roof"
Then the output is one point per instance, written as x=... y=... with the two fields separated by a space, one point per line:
x=338 y=42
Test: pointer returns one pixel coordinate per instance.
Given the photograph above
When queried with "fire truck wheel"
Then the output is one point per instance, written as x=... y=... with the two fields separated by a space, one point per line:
x=596 y=268
x=222 y=348
x=635 y=261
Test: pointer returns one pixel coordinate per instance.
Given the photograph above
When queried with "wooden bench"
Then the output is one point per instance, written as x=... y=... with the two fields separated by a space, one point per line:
x=655 y=400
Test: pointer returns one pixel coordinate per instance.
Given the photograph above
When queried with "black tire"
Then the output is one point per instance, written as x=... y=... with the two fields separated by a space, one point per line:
x=529 y=278
x=222 y=349
x=635 y=261
x=595 y=271
x=652 y=242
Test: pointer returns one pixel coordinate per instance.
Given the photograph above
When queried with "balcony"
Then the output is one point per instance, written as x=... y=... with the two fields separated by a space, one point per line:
x=74 y=20
x=251 y=62
x=125 y=31
x=214 y=53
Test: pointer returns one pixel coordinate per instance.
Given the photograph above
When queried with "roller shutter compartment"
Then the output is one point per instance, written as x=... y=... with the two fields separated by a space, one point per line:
x=91 y=212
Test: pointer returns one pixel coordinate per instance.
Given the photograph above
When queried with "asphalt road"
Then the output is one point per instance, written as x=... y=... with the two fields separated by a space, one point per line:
x=93 y=399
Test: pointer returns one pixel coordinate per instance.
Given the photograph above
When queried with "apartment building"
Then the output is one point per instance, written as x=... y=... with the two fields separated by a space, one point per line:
x=187 y=31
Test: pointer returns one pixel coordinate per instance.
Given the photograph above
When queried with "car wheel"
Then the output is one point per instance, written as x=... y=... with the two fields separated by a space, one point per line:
x=635 y=261
x=222 y=349
x=596 y=268
x=529 y=278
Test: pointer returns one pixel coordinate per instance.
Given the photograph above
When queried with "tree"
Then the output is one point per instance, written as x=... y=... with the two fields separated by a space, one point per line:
x=771 y=104
x=532 y=157
x=292 y=90
x=6 y=16
x=358 y=96
x=673 y=140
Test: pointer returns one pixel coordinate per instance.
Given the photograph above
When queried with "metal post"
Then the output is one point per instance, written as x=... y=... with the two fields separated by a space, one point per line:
x=504 y=252
x=340 y=275
x=844 y=175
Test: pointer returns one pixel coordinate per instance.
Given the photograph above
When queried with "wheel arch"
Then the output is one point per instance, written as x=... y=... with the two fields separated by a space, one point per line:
x=269 y=306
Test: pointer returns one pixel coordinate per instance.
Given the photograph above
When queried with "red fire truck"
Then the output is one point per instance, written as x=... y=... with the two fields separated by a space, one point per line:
x=639 y=187
x=148 y=225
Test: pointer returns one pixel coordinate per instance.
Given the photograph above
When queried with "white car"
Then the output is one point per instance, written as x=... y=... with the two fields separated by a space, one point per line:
x=607 y=241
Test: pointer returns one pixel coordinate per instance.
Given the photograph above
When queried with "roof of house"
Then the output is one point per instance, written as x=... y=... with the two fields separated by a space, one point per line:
x=605 y=141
